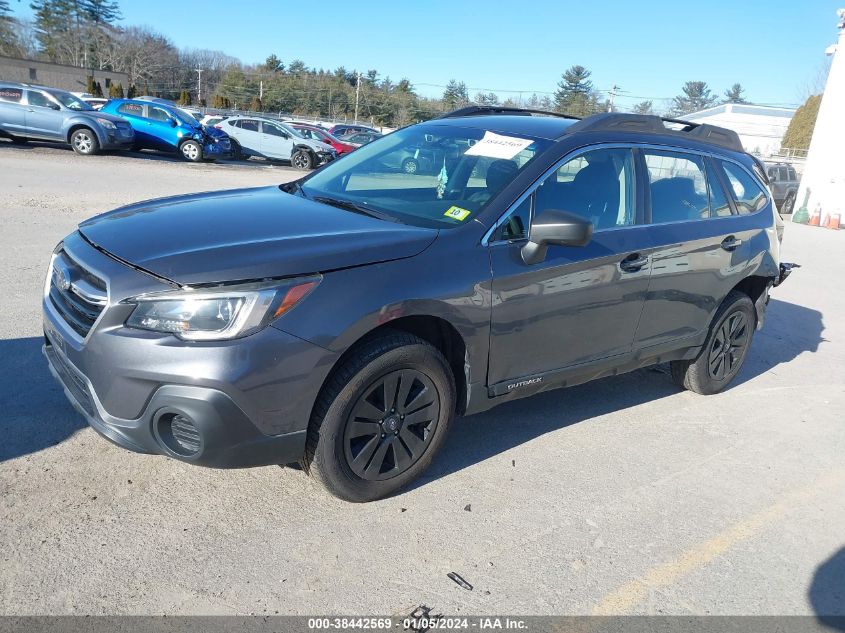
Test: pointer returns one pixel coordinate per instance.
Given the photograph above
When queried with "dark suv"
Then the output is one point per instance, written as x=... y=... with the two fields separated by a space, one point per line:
x=342 y=321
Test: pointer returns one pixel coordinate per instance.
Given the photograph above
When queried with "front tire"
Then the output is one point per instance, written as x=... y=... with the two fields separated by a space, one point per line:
x=724 y=350
x=380 y=418
x=302 y=159
x=237 y=152
x=191 y=151
x=84 y=142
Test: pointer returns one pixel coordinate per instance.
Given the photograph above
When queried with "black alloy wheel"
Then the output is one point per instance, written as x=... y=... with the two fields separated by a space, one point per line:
x=391 y=425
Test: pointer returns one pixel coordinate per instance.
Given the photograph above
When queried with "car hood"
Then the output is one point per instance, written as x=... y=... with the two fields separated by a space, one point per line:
x=99 y=114
x=247 y=234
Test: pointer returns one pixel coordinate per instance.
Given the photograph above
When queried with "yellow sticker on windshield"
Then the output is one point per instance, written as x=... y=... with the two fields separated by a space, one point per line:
x=457 y=213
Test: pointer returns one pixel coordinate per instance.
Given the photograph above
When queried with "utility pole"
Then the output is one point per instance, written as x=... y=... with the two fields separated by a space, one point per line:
x=357 y=94
x=199 y=84
x=612 y=97
x=261 y=90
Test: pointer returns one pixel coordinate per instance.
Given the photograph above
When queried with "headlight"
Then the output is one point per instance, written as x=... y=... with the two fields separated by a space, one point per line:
x=220 y=313
x=109 y=125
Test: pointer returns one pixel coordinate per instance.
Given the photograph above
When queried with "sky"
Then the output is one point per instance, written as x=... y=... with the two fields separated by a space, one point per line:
x=775 y=49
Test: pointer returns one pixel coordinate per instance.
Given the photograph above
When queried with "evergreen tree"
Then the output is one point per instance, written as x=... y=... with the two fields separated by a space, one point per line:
x=455 y=95
x=734 y=94
x=89 y=85
x=695 y=96
x=255 y=104
x=274 y=64
x=100 y=12
x=575 y=94
x=486 y=98
x=130 y=91
x=98 y=90
x=643 y=107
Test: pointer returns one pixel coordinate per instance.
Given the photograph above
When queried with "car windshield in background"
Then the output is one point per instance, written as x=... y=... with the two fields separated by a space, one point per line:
x=70 y=101
x=434 y=176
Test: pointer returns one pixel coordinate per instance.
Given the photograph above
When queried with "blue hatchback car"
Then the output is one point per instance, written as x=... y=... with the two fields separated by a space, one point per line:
x=163 y=127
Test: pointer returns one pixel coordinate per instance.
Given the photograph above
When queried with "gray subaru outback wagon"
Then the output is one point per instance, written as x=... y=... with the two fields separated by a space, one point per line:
x=344 y=320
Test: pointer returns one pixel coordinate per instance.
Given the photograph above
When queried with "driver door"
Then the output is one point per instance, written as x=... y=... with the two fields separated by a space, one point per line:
x=275 y=142
x=580 y=304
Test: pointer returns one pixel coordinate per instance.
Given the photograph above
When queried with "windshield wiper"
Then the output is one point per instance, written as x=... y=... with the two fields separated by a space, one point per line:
x=354 y=207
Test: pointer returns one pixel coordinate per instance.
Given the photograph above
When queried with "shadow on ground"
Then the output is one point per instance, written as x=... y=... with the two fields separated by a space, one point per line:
x=36 y=414
x=827 y=591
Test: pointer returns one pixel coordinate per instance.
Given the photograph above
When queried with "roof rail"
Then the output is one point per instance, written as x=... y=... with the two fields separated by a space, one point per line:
x=477 y=110
x=620 y=122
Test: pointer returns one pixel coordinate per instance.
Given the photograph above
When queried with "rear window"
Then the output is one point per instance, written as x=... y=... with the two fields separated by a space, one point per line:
x=13 y=95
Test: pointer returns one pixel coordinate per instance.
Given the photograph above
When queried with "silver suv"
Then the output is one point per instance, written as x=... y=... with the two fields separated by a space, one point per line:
x=47 y=114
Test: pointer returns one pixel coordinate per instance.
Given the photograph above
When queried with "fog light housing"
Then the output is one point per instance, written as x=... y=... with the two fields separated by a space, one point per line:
x=179 y=434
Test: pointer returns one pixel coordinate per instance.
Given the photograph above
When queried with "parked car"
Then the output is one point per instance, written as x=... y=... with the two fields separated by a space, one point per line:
x=256 y=136
x=47 y=114
x=343 y=129
x=344 y=319
x=784 y=183
x=213 y=119
x=91 y=100
x=357 y=139
x=163 y=127
x=319 y=134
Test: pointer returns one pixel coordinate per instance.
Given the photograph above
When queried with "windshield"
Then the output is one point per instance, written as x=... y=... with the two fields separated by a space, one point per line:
x=291 y=130
x=434 y=176
x=70 y=101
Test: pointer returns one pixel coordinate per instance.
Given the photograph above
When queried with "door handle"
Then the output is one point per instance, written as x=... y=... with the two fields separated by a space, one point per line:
x=633 y=263
x=730 y=243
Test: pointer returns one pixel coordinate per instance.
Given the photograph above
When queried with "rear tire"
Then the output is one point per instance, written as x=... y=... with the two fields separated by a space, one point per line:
x=302 y=159
x=410 y=166
x=788 y=203
x=84 y=142
x=191 y=151
x=237 y=153
x=724 y=350
x=380 y=418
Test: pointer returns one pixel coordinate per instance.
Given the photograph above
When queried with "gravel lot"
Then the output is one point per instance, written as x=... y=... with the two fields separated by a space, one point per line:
x=621 y=496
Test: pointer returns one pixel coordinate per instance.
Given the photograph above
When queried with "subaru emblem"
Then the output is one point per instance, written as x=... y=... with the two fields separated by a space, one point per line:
x=61 y=276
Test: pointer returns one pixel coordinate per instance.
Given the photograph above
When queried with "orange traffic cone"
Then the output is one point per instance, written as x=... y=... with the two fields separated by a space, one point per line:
x=833 y=221
x=815 y=218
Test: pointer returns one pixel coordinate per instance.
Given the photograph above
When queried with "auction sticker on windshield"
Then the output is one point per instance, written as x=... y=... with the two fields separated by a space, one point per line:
x=457 y=213
x=498 y=146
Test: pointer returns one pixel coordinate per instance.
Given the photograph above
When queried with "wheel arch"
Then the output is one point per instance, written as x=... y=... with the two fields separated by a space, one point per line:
x=437 y=331
x=77 y=125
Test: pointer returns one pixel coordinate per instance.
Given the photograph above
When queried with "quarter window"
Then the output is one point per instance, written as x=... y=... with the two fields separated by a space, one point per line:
x=132 y=109
x=515 y=226
x=747 y=194
x=719 y=206
x=12 y=95
x=598 y=185
x=678 y=187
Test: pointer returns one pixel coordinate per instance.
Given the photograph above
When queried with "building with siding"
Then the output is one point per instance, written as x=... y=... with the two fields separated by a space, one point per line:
x=71 y=78
x=760 y=128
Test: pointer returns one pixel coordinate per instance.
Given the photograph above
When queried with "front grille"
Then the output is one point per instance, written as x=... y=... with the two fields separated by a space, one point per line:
x=71 y=379
x=78 y=295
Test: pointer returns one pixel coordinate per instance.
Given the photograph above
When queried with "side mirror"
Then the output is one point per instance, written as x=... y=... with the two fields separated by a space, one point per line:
x=555 y=227
x=55 y=106
x=174 y=123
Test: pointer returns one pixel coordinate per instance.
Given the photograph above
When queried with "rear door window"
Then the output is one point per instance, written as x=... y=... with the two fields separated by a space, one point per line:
x=36 y=98
x=748 y=196
x=678 y=186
